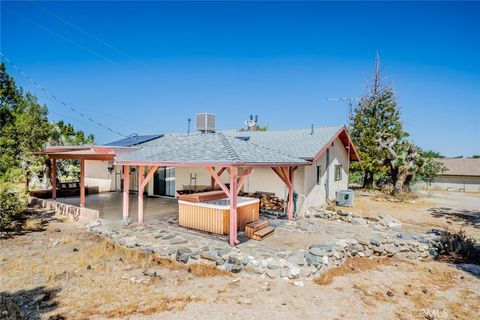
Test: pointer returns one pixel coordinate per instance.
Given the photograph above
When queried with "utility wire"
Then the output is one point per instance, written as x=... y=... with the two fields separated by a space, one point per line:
x=89 y=34
x=66 y=39
x=89 y=51
x=59 y=100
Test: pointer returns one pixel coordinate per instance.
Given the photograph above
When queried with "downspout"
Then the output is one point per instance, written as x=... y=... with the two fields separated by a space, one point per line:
x=327 y=175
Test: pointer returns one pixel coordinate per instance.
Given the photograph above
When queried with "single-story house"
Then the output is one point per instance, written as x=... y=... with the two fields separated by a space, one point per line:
x=313 y=163
x=463 y=174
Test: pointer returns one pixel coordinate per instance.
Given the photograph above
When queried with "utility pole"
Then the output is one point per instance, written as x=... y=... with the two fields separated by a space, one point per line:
x=350 y=105
x=350 y=110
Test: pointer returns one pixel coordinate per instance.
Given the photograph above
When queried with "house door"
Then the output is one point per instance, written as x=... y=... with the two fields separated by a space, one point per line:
x=164 y=182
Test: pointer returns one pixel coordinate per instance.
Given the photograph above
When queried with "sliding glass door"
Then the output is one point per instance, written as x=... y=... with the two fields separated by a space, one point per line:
x=164 y=182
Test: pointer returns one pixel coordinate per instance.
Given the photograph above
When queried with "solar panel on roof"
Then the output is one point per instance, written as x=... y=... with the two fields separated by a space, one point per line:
x=132 y=141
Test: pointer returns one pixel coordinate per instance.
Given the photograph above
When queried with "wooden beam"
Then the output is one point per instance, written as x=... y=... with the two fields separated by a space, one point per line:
x=126 y=193
x=212 y=179
x=54 y=179
x=243 y=178
x=82 y=183
x=233 y=207
x=290 y=193
x=140 y=194
x=88 y=156
x=281 y=176
x=219 y=182
x=149 y=176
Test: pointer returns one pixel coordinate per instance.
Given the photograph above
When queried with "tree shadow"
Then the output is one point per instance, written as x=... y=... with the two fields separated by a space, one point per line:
x=29 y=304
x=470 y=217
x=31 y=220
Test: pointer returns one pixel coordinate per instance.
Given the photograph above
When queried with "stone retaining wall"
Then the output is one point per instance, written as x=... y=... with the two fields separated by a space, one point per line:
x=309 y=263
x=71 y=212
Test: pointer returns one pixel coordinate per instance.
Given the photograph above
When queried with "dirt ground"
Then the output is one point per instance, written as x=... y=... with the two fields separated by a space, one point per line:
x=436 y=209
x=57 y=270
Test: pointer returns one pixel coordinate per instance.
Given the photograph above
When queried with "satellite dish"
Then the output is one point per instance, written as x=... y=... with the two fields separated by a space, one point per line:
x=250 y=123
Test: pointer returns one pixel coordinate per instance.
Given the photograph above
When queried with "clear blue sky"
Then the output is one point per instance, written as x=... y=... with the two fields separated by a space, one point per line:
x=152 y=65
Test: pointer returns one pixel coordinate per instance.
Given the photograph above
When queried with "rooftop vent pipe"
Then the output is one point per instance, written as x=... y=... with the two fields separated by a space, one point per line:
x=311 y=129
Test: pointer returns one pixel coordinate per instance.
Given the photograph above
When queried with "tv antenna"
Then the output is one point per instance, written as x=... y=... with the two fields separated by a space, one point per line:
x=350 y=104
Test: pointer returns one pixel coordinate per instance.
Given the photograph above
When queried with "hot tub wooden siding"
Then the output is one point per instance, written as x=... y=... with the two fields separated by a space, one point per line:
x=215 y=220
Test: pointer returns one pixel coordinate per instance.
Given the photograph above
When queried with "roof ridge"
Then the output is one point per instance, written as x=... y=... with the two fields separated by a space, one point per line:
x=235 y=131
x=231 y=151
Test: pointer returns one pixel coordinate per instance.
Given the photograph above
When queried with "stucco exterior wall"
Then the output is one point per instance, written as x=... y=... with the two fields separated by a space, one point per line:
x=457 y=183
x=264 y=179
x=182 y=177
x=97 y=174
x=315 y=194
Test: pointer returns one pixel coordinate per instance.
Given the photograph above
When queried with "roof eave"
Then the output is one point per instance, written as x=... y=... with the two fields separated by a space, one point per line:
x=209 y=164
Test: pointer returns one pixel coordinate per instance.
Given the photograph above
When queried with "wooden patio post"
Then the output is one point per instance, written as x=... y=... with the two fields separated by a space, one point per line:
x=126 y=193
x=140 y=194
x=54 y=179
x=82 y=183
x=290 y=193
x=233 y=206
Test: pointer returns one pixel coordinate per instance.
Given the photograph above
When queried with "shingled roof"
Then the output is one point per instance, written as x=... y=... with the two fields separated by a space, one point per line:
x=461 y=167
x=292 y=147
x=206 y=148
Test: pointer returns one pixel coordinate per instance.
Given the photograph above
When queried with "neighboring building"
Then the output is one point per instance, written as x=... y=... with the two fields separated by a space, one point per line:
x=463 y=174
x=326 y=152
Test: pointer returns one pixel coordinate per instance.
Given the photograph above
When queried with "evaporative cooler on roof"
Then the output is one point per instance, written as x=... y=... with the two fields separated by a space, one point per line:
x=205 y=122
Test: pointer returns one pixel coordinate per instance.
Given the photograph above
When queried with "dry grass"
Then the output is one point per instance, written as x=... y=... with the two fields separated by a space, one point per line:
x=98 y=278
x=331 y=206
x=353 y=265
x=466 y=307
x=406 y=197
x=32 y=224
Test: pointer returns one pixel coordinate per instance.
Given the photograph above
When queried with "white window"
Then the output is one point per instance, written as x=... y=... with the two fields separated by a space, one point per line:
x=338 y=172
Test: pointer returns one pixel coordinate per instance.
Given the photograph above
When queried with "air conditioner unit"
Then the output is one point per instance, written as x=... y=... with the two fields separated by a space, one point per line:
x=344 y=198
x=205 y=122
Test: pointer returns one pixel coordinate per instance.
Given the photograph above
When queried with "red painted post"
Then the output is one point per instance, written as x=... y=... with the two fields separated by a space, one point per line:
x=290 y=194
x=54 y=179
x=140 y=195
x=82 y=183
x=233 y=207
x=126 y=193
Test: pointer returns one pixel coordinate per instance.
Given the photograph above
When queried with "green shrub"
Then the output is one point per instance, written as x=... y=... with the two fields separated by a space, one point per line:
x=13 y=200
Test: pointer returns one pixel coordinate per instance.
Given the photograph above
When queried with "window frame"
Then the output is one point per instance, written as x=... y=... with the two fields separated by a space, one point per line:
x=338 y=175
x=319 y=175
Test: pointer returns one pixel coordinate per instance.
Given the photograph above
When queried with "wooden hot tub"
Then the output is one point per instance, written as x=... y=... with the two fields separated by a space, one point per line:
x=214 y=215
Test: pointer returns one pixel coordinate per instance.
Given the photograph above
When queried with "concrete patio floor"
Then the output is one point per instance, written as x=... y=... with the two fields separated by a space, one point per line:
x=110 y=206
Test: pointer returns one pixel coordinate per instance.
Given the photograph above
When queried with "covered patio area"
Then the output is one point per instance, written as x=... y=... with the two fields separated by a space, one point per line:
x=215 y=153
x=110 y=206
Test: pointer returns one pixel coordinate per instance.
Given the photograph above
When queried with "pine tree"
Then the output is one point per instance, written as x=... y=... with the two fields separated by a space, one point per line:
x=376 y=115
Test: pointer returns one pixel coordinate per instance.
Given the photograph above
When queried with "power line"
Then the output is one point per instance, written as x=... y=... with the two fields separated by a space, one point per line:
x=350 y=104
x=65 y=39
x=89 y=51
x=74 y=109
x=89 y=34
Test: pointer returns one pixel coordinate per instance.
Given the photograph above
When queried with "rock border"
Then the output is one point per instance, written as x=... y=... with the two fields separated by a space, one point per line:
x=308 y=264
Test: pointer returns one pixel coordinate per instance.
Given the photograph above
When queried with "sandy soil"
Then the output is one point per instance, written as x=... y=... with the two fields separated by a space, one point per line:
x=452 y=210
x=63 y=272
